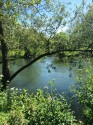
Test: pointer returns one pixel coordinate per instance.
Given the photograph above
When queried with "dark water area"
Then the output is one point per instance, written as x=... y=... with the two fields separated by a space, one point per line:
x=39 y=74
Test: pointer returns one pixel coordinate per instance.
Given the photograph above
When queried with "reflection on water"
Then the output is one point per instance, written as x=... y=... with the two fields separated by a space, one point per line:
x=38 y=75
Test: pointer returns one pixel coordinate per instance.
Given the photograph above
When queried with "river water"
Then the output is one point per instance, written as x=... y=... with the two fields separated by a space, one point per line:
x=39 y=74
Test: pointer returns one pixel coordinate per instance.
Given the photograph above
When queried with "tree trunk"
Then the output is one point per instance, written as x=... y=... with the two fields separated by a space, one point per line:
x=4 y=50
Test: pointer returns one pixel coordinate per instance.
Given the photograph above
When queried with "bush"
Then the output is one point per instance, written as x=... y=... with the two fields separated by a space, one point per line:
x=84 y=92
x=42 y=108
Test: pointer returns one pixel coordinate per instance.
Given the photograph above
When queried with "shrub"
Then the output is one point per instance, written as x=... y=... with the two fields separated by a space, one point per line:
x=84 y=92
x=42 y=108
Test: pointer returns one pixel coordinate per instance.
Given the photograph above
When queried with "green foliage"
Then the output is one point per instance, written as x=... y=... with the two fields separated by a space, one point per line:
x=29 y=41
x=27 y=25
x=60 y=41
x=18 y=107
x=84 y=92
x=81 y=35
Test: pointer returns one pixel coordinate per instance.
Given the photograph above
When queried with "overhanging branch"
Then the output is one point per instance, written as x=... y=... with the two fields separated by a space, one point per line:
x=41 y=56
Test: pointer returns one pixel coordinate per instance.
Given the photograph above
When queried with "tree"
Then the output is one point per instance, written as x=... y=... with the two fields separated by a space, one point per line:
x=82 y=32
x=61 y=40
x=34 y=14
x=5 y=70
x=33 y=43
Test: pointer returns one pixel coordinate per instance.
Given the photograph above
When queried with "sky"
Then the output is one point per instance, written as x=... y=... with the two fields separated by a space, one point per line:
x=76 y=2
x=71 y=7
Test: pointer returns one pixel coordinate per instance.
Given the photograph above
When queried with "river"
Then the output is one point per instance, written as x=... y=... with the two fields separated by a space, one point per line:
x=38 y=75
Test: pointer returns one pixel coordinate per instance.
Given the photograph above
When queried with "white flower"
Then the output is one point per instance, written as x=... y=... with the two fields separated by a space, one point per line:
x=13 y=88
x=1 y=75
x=45 y=87
x=16 y=88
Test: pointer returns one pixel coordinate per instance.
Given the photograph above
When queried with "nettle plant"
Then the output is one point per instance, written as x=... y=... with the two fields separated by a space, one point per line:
x=41 y=108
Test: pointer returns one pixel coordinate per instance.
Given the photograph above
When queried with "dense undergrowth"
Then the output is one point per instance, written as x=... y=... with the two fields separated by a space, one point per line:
x=17 y=107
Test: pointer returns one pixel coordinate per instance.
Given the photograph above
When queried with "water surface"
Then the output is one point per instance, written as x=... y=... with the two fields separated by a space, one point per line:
x=38 y=75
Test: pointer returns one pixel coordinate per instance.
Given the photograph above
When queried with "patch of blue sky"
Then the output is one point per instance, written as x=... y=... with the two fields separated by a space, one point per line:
x=76 y=2
x=71 y=7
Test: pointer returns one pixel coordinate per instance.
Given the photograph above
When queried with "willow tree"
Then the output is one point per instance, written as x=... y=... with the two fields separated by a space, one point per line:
x=44 y=16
